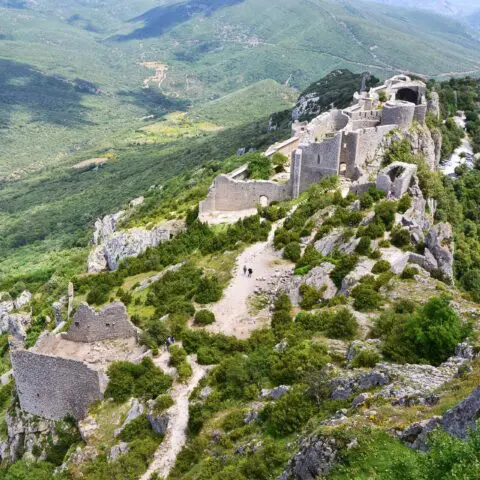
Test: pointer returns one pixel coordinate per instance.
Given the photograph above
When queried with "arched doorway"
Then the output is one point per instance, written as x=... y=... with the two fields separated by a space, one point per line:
x=263 y=201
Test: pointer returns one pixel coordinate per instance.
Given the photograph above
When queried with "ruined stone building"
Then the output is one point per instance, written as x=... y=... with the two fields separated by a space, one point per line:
x=63 y=374
x=338 y=142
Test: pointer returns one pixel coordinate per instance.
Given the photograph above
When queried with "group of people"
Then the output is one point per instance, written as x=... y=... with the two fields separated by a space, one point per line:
x=247 y=271
x=168 y=342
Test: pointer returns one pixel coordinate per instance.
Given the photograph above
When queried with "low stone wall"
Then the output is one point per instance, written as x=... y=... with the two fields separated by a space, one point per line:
x=109 y=323
x=53 y=387
x=396 y=178
x=228 y=194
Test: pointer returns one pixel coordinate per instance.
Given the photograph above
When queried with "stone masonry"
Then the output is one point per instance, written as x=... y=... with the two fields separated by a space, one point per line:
x=339 y=142
x=53 y=387
x=109 y=323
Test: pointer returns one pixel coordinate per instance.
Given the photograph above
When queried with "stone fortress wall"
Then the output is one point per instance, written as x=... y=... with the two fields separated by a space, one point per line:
x=53 y=387
x=109 y=323
x=63 y=374
x=338 y=142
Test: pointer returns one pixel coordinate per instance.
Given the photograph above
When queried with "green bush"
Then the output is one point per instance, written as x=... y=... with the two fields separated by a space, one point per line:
x=409 y=273
x=139 y=428
x=366 y=200
x=404 y=203
x=292 y=252
x=233 y=420
x=178 y=355
x=208 y=356
x=259 y=167
x=381 y=266
x=429 y=334
x=310 y=296
x=204 y=317
x=375 y=229
x=162 y=403
x=144 y=381
x=365 y=358
x=281 y=318
x=376 y=193
x=342 y=325
x=344 y=266
x=209 y=291
x=184 y=371
x=290 y=413
x=385 y=212
x=400 y=237
x=363 y=247
x=365 y=298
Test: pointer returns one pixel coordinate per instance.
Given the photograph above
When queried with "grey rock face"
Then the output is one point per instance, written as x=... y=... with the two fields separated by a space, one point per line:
x=117 y=450
x=159 y=423
x=329 y=242
x=18 y=324
x=358 y=346
x=106 y=226
x=360 y=399
x=136 y=409
x=363 y=268
x=439 y=241
x=318 y=277
x=114 y=246
x=23 y=299
x=462 y=418
x=416 y=435
x=274 y=393
x=316 y=457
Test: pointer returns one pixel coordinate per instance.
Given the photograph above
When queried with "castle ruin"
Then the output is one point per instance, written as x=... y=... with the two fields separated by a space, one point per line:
x=338 y=142
x=63 y=374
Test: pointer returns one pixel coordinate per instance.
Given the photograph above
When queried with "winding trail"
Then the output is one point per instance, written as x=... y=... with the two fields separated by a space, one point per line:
x=232 y=315
x=175 y=438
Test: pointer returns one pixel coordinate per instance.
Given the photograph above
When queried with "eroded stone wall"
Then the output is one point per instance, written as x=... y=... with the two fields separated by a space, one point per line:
x=228 y=194
x=53 y=387
x=109 y=323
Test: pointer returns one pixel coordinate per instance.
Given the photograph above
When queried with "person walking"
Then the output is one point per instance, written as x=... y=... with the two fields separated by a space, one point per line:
x=244 y=270
x=168 y=343
x=250 y=272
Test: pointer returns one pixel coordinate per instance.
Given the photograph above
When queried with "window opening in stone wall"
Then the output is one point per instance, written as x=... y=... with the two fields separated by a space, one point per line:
x=77 y=324
x=107 y=324
x=318 y=159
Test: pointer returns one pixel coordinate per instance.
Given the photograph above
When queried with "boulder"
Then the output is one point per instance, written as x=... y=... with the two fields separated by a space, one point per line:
x=18 y=324
x=329 y=242
x=439 y=241
x=364 y=267
x=415 y=436
x=117 y=450
x=23 y=299
x=205 y=393
x=136 y=202
x=87 y=427
x=106 y=226
x=396 y=257
x=318 y=278
x=82 y=455
x=136 y=409
x=358 y=346
x=274 y=393
x=462 y=418
x=159 y=423
x=360 y=399
x=315 y=459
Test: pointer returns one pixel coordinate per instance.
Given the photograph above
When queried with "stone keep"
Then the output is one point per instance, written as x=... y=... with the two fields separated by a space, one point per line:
x=109 y=323
x=53 y=387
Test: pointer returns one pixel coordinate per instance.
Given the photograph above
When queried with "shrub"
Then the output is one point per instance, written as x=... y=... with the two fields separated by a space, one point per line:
x=184 y=371
x=208 y=355
x=342 y=325
x=429 y=334
x=375 y=229
x=204 y=317
x=363 y=247
x=144 y=381
x=292 y=252
x=209 y=290
x=366 y=358
x=384 y=243
x=178 y=355
x=376 y=193
x=310 y=296
x=366 y=200
x=365 y=298
x=404 y=203
x=344 y=266
x=279 y=158
x=233 y=420
x=375 y=254
x=281 y=318
x=381 y=266
x=259 y=167
x=409 y=273
x=289 y=413
x=162 y=403
x=382 y=96
x=385 y=211
x=400 y=237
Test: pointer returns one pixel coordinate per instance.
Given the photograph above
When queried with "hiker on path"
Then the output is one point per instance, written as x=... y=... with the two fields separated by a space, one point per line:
x=244 y=270
x=250 y=272
x=168 y=343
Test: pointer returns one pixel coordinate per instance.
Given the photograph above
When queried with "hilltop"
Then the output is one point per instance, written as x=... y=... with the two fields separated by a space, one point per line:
x=352 y=340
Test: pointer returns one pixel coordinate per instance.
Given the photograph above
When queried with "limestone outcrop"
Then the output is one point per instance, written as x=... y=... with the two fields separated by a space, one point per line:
x=439 y=242
x=315 y=459
x=318 y=278
x=112 y=245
